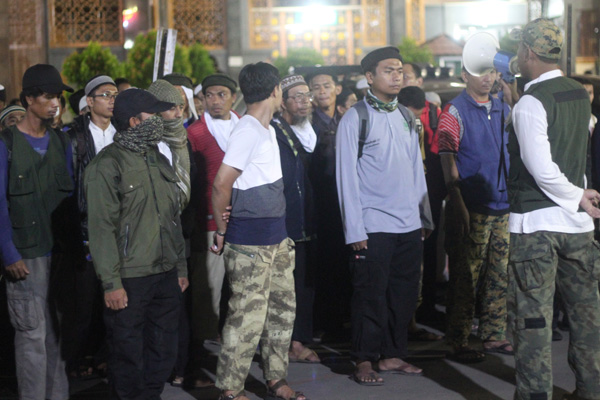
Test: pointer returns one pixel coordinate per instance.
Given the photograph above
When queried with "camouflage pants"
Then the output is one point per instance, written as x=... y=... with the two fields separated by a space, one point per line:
x=262 y=308
x=538 y=262
x=478 y=272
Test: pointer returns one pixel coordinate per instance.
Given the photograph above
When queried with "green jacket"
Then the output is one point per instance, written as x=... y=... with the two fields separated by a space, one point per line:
x=133 y=215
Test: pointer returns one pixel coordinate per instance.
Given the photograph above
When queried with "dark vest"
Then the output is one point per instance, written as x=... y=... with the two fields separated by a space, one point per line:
x=568 y=114
x=481 y=165
x=36 y=186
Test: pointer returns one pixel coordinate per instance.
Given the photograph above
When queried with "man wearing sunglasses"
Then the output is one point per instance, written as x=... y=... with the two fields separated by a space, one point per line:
x=89 y=133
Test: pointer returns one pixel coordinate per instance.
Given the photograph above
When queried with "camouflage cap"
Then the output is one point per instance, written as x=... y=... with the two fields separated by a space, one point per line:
x=542 y=36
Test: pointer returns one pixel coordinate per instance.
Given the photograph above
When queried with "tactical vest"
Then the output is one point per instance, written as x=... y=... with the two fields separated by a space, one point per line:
x=36 y=186
x=568 y=113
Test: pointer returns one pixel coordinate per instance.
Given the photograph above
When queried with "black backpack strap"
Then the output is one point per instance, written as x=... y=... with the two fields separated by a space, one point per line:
x=433 y=117
x=363 y=116
x=408 y=116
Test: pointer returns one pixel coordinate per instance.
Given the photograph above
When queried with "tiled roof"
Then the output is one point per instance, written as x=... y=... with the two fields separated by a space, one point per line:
x=444 y=45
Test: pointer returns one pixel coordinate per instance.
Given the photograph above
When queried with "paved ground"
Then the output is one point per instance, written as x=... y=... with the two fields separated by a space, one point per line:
x=492 y=379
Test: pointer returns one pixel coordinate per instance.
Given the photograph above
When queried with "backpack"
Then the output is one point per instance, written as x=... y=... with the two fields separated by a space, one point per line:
x=363 y=116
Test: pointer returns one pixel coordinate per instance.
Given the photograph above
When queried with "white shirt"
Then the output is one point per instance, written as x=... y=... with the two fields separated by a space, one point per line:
x=253 y=149
x=221 y=128
x=531 y=128
x=102 y=138
x=165 y=150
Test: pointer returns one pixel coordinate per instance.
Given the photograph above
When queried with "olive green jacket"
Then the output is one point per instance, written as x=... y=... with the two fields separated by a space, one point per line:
x=133 y=215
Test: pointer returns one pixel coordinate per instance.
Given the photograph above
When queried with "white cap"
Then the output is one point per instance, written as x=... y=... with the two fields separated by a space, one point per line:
x=82 y=103
x=197 y=90
x=362 y=84
x=433 y=97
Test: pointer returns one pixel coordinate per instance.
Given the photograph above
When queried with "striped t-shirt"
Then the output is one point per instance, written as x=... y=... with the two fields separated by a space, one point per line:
x=258 y=204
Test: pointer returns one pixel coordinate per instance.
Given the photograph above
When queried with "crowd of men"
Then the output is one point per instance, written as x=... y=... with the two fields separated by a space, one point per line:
x=151 y=191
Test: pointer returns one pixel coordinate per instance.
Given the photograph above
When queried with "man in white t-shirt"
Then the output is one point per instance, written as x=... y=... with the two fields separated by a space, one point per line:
x=259 y=257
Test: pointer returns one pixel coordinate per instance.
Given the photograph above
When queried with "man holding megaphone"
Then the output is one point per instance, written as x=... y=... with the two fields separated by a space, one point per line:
x=551 y=221
x=472 y=147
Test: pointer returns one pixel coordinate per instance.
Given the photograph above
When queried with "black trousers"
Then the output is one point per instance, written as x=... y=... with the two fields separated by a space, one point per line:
x=142 y=338
x=385 y=278
x=436 y=190
x=304 y=282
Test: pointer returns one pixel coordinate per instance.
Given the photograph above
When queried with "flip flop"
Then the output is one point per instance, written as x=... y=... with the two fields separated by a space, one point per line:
x=399 y=371
x=272 y=392
x=371 y=375
x=303 y=358
x=499 y=350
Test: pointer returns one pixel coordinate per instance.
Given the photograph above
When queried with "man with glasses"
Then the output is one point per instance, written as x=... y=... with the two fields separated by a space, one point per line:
x=208 y=137
x=89 y=133
x=296 y=139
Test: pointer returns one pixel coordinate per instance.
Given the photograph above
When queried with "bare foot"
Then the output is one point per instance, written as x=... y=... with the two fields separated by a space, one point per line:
x=365 y=375
x=398 y=366
x=300 y=353
x=498 y=346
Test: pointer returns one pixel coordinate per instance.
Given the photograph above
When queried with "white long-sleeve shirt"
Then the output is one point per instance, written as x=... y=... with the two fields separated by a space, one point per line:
x=531 y=128
x=384 y=191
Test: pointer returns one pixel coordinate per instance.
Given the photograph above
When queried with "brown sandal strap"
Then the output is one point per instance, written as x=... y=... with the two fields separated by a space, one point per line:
x=280 y=383
x=232 y=396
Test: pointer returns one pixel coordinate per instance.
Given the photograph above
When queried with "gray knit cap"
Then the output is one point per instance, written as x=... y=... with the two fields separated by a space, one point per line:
x=164 y=91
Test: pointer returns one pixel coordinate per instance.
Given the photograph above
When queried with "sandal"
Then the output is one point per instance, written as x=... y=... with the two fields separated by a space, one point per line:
x=272 y=392
x=232 y=396
x=360 y=379
x=303 y=357
x=502 y=349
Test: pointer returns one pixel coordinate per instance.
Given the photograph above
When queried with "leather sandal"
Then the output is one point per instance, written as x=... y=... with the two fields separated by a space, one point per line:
x=272 y=392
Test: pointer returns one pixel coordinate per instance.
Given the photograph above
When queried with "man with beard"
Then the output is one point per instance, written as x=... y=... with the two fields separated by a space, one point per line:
x=472 y=140
x=208 y=137
x=35 y=177
x=296 y=139
x=137 y=247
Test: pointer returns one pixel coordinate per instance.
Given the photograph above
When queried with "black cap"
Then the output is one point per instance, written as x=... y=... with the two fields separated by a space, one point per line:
x=74 y=100
x=377 y=55
x=219 y=80
x=176 y=79
x=2 y=93
x=134 y=101
x=45 y=78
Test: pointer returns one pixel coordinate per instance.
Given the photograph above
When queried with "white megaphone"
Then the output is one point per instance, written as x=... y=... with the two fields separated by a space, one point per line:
x=482 y=53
